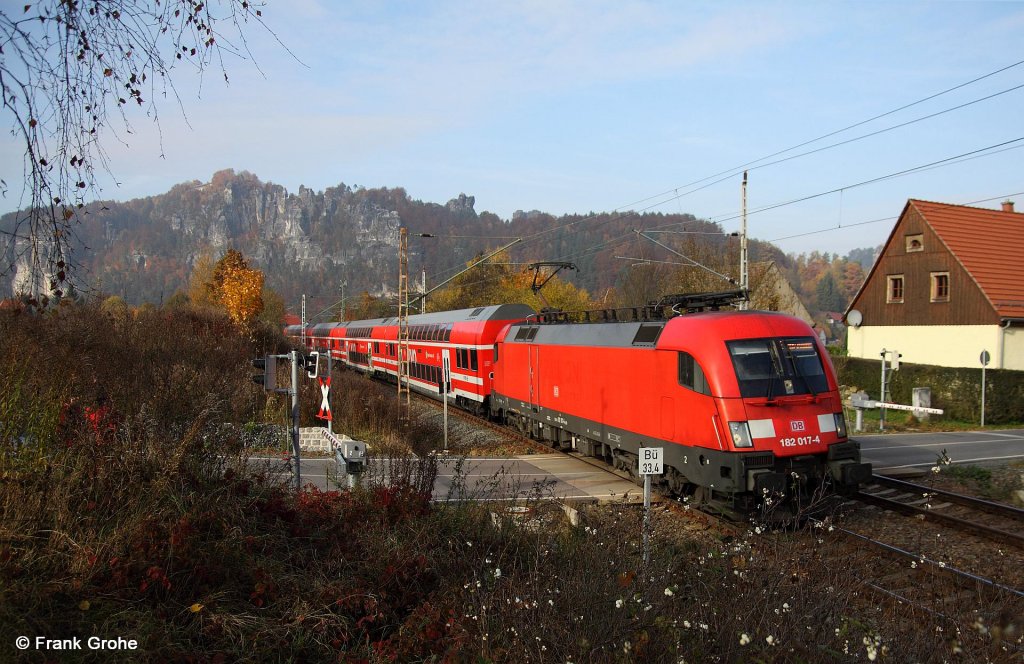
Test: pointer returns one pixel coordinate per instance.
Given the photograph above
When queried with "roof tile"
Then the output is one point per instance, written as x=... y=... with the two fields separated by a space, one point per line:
x=990 y=246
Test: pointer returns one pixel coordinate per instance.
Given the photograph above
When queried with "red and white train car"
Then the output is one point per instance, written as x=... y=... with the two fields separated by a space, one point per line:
x=744 y=404
x=468 y=336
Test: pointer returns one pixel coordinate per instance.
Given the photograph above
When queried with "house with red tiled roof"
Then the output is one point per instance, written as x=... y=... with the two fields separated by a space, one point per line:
x=948 y=285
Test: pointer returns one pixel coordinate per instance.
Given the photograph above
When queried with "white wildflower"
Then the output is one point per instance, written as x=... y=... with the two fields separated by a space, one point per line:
x=619 y=603
x=744 y=639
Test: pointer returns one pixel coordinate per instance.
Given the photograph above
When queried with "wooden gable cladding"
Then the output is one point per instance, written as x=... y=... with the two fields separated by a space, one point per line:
x=966 y=305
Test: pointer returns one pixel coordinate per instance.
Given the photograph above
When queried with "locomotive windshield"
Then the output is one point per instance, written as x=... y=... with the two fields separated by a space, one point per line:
x=771 y=368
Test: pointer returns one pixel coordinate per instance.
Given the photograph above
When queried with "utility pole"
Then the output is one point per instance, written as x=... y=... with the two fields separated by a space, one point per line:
x=403 y=321
x=423 y=290
x=296 y=451
x=303 y=316
x=343 y=313
x=744 y=261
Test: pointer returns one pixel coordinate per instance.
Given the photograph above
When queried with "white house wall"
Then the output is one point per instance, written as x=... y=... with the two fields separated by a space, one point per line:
x=1013 y=347
x=944 y=346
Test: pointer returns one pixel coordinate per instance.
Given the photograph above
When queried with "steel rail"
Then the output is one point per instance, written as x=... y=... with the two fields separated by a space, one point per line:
x=997 y=534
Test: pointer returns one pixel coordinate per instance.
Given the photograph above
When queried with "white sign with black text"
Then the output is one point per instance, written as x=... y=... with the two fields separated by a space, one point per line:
x=652 y=461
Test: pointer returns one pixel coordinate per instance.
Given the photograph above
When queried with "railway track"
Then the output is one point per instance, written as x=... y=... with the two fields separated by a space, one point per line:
x=995 y=521
x=895 y=576
x=903 y=580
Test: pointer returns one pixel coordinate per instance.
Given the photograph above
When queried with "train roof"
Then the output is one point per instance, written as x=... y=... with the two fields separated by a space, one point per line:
x=652 y=333
x=490 y=312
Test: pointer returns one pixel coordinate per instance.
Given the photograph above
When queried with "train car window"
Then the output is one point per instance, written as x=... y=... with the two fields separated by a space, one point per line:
x=448 y=333
x=472 y=360
x=460 y=362
x=772 y=368
x=495 y=353
x=376 y=347
x=647 y=335
x=691 y=375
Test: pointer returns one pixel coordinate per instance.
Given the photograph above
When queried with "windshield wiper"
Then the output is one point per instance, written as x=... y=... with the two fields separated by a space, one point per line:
x=796 y=368
x=776 y=369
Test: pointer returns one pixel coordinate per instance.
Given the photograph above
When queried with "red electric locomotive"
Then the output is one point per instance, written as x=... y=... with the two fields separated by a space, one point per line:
x=744 y=403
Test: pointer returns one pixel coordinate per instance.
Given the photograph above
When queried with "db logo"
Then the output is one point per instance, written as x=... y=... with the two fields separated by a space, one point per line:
x=796 y=425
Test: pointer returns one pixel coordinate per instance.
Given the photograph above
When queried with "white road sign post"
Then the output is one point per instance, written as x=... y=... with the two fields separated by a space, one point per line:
x=984 y=358
x=651 y=463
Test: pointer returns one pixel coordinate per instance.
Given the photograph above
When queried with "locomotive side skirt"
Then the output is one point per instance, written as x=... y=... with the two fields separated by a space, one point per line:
x=722 y=471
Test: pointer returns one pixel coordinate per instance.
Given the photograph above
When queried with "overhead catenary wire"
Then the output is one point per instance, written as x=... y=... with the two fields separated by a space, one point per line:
x=889 y=218
x=881 y=178
x=752 y=165
x=620 y=215
x=967 y=156
x=735 y=170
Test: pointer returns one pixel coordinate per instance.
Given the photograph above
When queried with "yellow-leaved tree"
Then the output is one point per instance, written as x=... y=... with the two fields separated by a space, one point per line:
x=229 y=283
x=498 y=281
x=242 y=294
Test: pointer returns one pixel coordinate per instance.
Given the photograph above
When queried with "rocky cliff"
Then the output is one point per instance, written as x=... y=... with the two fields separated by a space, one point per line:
x=310 y=242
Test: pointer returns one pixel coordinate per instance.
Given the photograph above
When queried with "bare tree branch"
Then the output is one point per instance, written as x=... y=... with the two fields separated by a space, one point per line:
x=69 y=70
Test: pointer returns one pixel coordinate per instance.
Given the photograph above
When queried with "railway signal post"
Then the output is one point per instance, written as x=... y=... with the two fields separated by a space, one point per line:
x=446 y=382
x=268 y=379
x=651 y=463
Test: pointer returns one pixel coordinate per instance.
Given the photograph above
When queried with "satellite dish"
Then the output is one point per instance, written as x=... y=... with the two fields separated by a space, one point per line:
x=854 y=318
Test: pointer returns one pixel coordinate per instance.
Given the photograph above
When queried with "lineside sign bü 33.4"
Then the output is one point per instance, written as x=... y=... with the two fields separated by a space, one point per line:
x=652 y=461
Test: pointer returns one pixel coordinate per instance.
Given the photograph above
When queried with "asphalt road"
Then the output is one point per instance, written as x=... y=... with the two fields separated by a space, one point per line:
x=496 y=479
x=898 y=453
x=570 y=479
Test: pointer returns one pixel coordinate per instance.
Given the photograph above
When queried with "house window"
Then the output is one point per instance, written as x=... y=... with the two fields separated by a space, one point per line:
x=915 y=242
x=894 y=293
x=940 y=286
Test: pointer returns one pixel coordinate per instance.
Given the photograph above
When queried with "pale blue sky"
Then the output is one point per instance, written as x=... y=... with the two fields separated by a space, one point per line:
x=569 y=107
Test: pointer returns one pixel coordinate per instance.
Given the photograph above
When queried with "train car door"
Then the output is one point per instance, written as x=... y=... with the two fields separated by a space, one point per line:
x=534 y=353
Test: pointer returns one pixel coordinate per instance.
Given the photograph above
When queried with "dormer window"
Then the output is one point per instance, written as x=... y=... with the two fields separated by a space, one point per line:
x=915 y=243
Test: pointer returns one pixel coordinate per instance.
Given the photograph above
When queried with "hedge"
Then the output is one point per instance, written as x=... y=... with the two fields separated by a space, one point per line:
x=956 y=390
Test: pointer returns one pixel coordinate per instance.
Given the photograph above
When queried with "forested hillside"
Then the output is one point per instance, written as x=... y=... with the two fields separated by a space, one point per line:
x=312 y=243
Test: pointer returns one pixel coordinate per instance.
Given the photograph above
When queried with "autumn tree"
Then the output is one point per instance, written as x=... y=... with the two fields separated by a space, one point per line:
x=367 y=306
x=241 y=293
x=69 y=71
x=201 y=290
x=498 y=281
x=274 y=308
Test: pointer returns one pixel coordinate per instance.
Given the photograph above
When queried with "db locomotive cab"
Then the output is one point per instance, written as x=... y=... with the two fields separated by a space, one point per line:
x=789 y=416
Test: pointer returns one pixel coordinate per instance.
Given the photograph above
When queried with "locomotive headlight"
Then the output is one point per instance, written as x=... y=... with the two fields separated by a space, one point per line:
x=740 y=434
x=840 y=425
